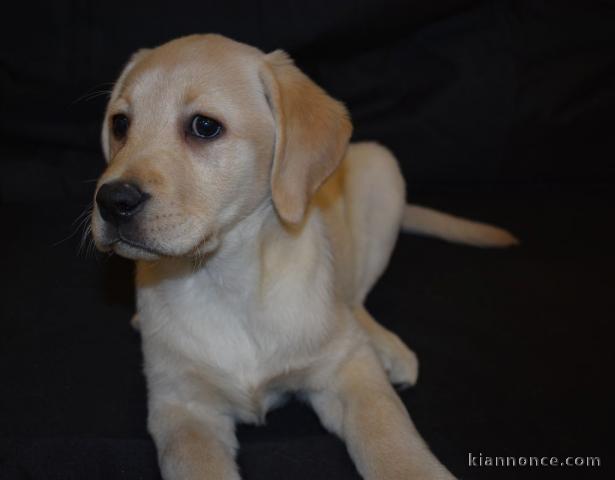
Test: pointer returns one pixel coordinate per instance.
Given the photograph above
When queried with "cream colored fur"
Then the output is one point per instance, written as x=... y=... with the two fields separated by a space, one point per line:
x=255 y=253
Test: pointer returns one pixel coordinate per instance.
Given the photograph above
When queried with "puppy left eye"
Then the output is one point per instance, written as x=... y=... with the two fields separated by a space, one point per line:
x=205 y=127
x=119 y=125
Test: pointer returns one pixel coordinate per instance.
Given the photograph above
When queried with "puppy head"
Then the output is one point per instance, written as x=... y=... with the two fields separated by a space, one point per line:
x=198 y=134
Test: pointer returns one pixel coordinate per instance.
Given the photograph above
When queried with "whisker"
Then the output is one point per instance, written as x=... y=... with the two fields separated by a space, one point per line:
x=81 y=220
x=87 y=211
x=86 y=97
x=86 y=240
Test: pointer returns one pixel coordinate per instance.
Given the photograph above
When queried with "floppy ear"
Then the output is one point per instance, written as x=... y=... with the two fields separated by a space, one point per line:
x=312 y=133
x=104 y=135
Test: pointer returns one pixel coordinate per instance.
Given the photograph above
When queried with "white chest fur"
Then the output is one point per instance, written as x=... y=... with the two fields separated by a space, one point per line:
x=250 y=316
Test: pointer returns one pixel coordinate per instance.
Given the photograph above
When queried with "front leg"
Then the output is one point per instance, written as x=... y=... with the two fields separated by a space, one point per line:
x=193 y=447
x=359 y=404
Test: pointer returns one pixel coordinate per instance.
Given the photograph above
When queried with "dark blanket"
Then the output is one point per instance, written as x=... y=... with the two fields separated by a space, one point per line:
x=501 y=111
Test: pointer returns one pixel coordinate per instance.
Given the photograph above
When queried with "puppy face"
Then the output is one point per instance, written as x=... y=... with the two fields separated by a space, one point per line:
x=189 y=147
x=198 y=134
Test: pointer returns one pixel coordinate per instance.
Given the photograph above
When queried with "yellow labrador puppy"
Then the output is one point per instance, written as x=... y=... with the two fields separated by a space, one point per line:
x=258 y=232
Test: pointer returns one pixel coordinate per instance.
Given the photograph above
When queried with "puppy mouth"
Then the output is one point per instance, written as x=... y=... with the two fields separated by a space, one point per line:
x=121 y=240
x=131 y=242
x=117 y=241
x=127 y=247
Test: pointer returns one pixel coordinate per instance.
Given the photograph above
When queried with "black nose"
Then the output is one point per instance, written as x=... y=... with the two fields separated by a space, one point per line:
x=119 y=201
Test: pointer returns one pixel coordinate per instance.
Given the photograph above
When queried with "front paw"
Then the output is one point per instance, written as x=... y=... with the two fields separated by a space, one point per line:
x=400 y=363
x=404 y=365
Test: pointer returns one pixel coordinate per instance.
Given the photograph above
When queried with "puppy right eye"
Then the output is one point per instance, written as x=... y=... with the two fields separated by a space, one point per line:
x=205 y=127
x=119 y=125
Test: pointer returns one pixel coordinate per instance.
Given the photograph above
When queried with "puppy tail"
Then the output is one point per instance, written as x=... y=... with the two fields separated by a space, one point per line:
x=426 y=221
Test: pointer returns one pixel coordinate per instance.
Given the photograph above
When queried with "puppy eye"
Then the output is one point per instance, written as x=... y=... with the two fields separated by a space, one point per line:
x=119 y=125
x=205 y=127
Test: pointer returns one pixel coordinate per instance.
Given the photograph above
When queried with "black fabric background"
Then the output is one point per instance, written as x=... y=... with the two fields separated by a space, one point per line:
x=501 y=111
